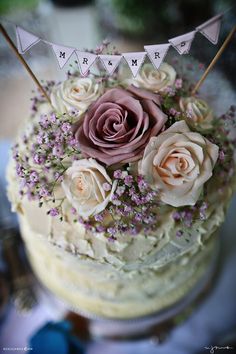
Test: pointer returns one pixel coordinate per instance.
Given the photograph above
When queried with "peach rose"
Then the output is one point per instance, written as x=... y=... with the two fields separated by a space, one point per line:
x=75 y=95
x=197 y=111
x=88 y=187
x=177 y=163
x=155 y=80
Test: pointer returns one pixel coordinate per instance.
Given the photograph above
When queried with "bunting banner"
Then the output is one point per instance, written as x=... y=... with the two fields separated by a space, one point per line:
x=211 y=29
x=156 y=53
x=110 y=62
x=134 y=60
x=85 y=59
x=63 y=54
x=25 y=40
x=183 y=43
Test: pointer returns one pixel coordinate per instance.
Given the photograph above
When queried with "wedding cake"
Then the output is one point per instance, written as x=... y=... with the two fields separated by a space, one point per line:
x=121 y=185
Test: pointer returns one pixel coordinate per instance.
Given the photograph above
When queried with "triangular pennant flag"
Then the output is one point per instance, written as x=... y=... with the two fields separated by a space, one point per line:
x=211 y=29
x=157 y=53
x=110 y=62
x=85 y=60
x=134 y=60
x=183 y=43
x=25 y=40
x=63 y=54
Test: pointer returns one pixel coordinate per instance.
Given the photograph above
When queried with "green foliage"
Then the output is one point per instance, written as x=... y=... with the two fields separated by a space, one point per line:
x=7 y=6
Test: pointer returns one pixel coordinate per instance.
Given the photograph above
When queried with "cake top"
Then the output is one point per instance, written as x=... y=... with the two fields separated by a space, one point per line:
x=115 y=153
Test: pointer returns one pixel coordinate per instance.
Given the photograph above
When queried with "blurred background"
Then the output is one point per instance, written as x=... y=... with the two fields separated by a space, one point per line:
x=129 y=24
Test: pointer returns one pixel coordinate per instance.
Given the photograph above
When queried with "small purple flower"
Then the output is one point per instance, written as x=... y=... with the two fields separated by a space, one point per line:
x=106 y=186
x=111 y=239
x=44 y=121
x=174 y=113
x=128 y=209
x=53 y=117
x=149 y=219
x=71 y=141
x=20 y=170
x=117 y=202
x=133 y=231
x=100 y=228
x=128 y=180
x=59 y=138
x=221 y=155
x=40 y=138
x=39 y=159
x=120 y=190
x=57 y=151
x=58 y=176
x=98 y=217
x=132 y=191
x=176 y=216
x=73 y=211
x=135 y=198
x=66 y=127
x=179 y=233
x=178 y=83
x=53 y=212
x=138 y=217
x=34 y=178
x=43 y=192
x=117 y=174
x=111 y=230
x=142 y=184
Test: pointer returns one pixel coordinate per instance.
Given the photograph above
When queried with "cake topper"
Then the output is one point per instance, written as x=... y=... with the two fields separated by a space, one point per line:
x=23 y=62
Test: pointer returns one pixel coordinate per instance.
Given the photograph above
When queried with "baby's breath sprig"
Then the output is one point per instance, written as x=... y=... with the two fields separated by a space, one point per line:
x=48 y=150
x=134 y=207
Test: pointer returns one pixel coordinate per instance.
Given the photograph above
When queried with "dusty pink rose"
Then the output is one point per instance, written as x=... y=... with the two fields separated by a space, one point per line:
x=118 y=126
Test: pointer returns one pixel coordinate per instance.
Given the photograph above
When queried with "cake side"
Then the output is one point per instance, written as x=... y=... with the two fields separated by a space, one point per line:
x=124 y=279
x=120 y=189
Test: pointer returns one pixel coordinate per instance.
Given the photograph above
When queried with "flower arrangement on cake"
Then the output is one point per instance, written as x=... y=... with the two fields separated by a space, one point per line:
x=113 y=153
x=120 y=185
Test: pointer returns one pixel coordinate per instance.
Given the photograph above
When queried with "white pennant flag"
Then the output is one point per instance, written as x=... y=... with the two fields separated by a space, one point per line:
x=183 y=43
x=110 y=62
x=211 y=29
x=134 y=60
x=157 y=53
x=63 y=54
x=85 y=60
x=25 y=40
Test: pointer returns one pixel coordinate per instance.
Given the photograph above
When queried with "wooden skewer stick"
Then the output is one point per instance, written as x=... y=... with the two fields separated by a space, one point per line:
x=22 y=60
x=214 y=60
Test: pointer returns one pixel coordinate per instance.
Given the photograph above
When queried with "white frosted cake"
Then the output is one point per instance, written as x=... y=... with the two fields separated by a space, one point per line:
x=120 y=187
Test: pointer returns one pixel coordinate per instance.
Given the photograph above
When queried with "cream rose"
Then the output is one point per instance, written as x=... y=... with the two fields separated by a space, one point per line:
x=197 y=111
x=88 y=187
x=75 y=95
x=153 y=79
x=177 y=163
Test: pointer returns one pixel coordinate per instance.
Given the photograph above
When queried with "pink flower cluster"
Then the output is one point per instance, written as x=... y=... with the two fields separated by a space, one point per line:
x=47 y=146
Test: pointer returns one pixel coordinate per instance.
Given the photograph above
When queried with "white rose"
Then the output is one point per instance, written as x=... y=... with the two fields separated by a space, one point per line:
x=88 y=187
x=177 y=163
x=153 y=79
x=75 y=95
x=197 y=111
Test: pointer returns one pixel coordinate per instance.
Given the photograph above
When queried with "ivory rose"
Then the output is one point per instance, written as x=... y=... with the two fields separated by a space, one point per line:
x=118 y=126
x=177 y=163
x=153 y=79
x=197 y=111
x=75 y=95
x=88 y=187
